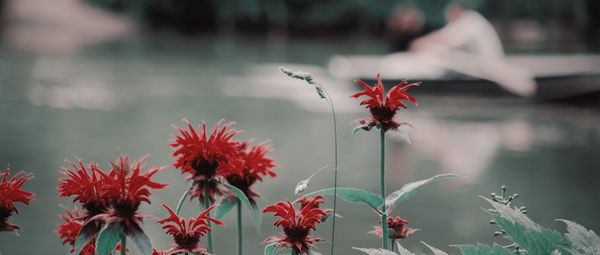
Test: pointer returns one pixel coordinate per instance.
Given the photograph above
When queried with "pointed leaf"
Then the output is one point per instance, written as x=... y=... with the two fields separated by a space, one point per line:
x=86 y=234
x=402 y=250
x=583 y=241
x=364 y=127
x=142 y=241
x=227 y=204
x=482 y=249
x=350 y=195
x=252 y=207
x=526 y=233
x=372 y=251
x=410 y=189
x=434 y=250
x=108 y=238
x=270 y=249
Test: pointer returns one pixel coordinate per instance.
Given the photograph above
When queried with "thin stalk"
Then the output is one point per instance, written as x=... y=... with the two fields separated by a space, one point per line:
x=207 y=205
x=335 y=169
x=293 y=252
x=123 y=244
x=239 y=227
x=384 y=225
x=392 y=244
x=182 y=200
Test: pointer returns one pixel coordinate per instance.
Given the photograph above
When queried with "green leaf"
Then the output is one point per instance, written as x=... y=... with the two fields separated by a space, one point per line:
x=583 y=241
x=226 y=204
x=252 y=207
x=142 y=241
x=410 y=189
x=86 y=234
x=526 y=233
x=270 y=249
x=372 y=251
x=351 y=195
x=402 y=250
x=108 y=238
x=482 y=249
x=364 y=127
x=434 y=250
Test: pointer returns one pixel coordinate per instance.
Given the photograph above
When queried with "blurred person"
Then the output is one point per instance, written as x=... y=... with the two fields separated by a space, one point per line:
x=466 y=31
x=403 y=26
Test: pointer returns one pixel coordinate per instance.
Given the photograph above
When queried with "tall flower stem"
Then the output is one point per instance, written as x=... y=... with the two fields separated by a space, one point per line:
x=335 y=169
x=181 y=201
x=384 y=225
x=207 y=205
x=239 y=225
x=123 y=244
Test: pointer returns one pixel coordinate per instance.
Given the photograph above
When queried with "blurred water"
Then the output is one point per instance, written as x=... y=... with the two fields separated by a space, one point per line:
x=127 y=95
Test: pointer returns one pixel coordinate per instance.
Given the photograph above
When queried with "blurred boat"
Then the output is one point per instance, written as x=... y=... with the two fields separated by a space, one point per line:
x=540 y=77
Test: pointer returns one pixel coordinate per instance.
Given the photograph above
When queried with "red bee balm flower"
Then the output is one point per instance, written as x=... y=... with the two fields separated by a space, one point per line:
x=11 y=192
x=314 y=202
x=396 y=227
x=69 y=230
x=296 y=225
x=84 y=183
x=255 y=166
x=383 y=107
x=187 y=234
x=205 y=158
x=126 y=189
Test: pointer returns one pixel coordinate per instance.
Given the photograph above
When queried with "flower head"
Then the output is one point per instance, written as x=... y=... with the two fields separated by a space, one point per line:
x=383 y=107
x=11 y=192
x=83 y=182
x=187 y=234
x=70 y=229
x=314 y=202
x=296 y=225
x=126 y=188
x=204 y=157
x=397 y=229
x=256 y=165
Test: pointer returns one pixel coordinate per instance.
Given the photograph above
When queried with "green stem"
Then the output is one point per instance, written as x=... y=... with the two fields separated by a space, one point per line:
x=392 y=244
x=384 y=225
x=293 y=252
x=123 y=244
x=335 y=169
x=239 y=221
x=182 y=200
x=206 y=206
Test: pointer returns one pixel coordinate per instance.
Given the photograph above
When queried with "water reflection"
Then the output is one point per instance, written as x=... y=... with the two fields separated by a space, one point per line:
x=64 y=84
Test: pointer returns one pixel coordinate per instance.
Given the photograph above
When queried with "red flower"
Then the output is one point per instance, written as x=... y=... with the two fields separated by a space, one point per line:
x=398 y=230
x=11 y=192
x=296 y=225
x=255 y=166
x=83 y=182
x=383 y=107
x=68 y=231
x=156 y=252
x=314 y=202
x=205 y=158
x=187 y=234
x=126 y=189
